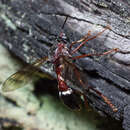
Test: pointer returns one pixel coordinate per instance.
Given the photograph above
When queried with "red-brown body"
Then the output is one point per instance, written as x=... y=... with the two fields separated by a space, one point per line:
x=60 y=52
x=67 y=94
x=62 y=58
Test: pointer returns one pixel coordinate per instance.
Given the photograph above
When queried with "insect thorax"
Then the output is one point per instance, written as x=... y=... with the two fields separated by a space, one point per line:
x=58 y=50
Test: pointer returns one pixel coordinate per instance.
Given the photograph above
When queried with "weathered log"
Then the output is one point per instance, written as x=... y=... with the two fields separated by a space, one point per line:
x=36 y=25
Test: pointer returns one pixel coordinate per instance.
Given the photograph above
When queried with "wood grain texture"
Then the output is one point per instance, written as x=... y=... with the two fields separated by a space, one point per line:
x=37 y=23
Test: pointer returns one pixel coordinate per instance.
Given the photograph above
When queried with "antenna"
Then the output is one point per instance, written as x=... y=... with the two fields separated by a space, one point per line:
x=62 y=34
x=64 y=22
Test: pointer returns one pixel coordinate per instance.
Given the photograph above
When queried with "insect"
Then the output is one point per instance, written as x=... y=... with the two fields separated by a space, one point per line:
x=61 y=56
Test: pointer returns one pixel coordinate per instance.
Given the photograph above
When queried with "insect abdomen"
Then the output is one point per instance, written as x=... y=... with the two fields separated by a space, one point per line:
x=67 y=94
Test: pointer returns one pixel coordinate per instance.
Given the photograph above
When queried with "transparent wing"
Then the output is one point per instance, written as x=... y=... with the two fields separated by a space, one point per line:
x=22 y=77
x=79 y=79
x=75 y=78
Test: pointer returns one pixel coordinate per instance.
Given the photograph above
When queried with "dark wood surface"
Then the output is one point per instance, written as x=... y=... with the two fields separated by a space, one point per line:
x=37 y=23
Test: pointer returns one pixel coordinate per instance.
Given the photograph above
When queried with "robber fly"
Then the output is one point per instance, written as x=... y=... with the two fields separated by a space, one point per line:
x=61 y=56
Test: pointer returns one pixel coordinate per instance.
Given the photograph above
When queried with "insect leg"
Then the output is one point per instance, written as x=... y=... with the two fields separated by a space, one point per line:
x=96 y=54
x=77 y=48
x=106 y=100
x=99 y=93
x=82 y=84
x=81 y=40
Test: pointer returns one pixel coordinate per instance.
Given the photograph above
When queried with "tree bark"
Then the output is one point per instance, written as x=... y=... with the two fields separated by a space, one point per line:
x=33 y=26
